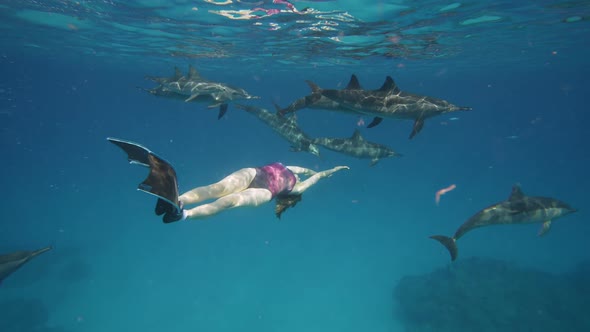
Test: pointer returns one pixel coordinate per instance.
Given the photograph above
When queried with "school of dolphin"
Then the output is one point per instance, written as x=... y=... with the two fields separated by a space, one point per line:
x=386 y=102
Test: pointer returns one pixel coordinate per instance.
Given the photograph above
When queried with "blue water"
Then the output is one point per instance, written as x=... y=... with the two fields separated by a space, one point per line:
x=69 y=72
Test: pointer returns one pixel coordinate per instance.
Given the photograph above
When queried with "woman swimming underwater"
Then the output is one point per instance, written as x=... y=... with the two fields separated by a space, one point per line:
x=250 y=186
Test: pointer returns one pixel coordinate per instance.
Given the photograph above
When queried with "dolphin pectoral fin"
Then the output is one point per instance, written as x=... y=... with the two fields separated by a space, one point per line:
x=545 y=227
x=222 y=111
x=418 y=124
x=376 y=120
x=374 y=161
x=449 y=243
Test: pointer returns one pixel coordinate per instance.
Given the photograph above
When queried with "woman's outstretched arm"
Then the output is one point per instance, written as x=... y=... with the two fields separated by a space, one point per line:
x=300 y=187
x=301 y=170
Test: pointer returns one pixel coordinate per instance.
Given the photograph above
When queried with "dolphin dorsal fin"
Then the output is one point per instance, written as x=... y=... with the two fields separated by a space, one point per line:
x=193 y=73
x=278 y=109
x=389 y=85
x=356 y=136
x=516 y=193
x=353 y=84
x=177 y=74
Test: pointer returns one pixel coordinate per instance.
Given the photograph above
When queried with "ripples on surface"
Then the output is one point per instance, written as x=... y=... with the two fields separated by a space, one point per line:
x=311 y=33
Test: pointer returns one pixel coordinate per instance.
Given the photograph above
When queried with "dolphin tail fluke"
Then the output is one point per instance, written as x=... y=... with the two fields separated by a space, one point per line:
x=449 y=243
x=314 y=87
x=161 y=181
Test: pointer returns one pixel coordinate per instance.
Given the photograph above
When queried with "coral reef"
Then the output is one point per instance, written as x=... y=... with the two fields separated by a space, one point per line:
x=489 y=295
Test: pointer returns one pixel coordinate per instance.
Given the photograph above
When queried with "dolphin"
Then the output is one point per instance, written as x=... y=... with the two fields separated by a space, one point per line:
x=13 y=261
x=517 y=209
x=357 y=146
x=317 y=101
x=194 y=87
x=286 y=126
x=389 y=102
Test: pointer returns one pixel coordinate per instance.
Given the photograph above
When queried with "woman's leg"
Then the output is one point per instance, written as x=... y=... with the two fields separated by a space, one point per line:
x=248 y=197
x=235 y=182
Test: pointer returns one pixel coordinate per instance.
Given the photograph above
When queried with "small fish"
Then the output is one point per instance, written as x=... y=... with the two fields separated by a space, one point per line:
x=442 y=192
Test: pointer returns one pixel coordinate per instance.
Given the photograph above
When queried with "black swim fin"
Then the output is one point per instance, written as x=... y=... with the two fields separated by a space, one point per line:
x=161 y=182
x=162 y=207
